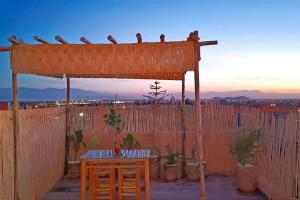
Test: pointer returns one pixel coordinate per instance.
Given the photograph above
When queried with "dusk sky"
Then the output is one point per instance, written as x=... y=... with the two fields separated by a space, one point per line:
x=259 y=41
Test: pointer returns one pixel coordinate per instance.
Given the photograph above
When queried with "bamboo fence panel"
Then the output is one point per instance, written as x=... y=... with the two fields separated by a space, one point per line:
x=42 y=142
x=6 y=156
x=42 y=151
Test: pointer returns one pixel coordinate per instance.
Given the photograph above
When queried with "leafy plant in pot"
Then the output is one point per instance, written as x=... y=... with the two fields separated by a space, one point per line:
x=115 y=125
x=243 y=148
x=170 y=166
x=192 y=167
x=155 y=163
x=76 y=141
x=129 y=142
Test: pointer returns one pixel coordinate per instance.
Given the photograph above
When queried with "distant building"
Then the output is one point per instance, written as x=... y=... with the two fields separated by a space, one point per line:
x=6 y=106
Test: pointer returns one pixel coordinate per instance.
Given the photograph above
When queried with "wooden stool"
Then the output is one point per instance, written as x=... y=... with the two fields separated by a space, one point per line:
x=129 y=182
x=102 y=181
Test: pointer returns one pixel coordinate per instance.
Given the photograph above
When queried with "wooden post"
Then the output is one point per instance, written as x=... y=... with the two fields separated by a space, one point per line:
x=16 y=123
x=198 y=117
x=162 y=38
x=67 y=144
x=139 y=38
x=183 y=125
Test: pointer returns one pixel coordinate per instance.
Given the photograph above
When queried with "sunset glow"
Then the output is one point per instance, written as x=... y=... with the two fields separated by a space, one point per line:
x=258 y=42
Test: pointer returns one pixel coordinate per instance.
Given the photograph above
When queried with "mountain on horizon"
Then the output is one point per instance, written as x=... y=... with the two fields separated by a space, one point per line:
x=48 y=94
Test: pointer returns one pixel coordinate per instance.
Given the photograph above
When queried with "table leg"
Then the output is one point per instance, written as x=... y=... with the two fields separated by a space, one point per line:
x=83 y=180
x=147 y=180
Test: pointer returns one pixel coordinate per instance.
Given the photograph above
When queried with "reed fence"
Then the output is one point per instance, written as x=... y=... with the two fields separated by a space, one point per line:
x=40 y=156
x=42 y=142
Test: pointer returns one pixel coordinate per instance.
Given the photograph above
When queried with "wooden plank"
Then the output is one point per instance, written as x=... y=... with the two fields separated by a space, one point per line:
x=3 y=48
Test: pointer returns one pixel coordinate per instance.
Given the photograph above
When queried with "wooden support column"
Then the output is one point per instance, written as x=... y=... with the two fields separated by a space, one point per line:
x=67 y=143
x=183 y=126
x=16 y=124
x=198 y=117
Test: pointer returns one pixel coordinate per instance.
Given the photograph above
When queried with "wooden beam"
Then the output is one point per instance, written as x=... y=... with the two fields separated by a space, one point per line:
x=84 y=40
x=14 y=40
x=61 y=40
x=198 y=119
x=205 y=43
x=112 y=40
x=2 y=48
x=139 y=38
x=40 y=40
x=162 y=38
x=16 y=127
x=183 y=126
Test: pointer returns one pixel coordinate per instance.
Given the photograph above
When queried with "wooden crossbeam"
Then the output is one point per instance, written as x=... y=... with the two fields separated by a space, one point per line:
x=84 y=40
x=5 y=48
x=40 y=40
x=61 y=40
x=205 y=43
x=162 y=38
x=14 y=40
x=112 y=40
x=139 y=38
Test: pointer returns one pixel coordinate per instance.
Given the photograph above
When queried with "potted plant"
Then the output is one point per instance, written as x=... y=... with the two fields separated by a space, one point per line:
x=129 y=142
x=192 y=167
x=242 y=148
x=170 y=166
x=155 y=164
x=115 y=124
x=77 y=143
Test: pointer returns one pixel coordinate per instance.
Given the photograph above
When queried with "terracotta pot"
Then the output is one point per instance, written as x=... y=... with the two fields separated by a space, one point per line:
x=155 y=167
x=74 y=169
x=246 y=177
x=179 y=164
x=192 y=171
x=170 y=173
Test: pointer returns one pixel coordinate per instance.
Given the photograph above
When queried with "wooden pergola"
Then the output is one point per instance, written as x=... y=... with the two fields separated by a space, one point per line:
x=142 y=60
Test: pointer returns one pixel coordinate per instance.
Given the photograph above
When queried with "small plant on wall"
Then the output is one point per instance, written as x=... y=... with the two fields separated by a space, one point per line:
x=114 y=121
x=129 y=142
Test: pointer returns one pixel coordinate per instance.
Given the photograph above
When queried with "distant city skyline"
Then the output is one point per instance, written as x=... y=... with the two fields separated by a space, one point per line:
x=258 y=49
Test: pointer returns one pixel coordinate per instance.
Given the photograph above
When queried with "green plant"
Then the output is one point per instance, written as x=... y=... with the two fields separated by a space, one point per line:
x=171 y=157
x=242 y=147
x=76 y=141
x=113 y=119
x=93 y=143
x=129 y=142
